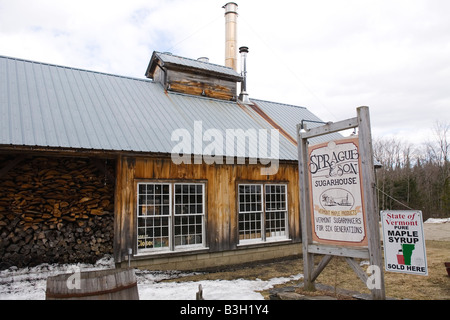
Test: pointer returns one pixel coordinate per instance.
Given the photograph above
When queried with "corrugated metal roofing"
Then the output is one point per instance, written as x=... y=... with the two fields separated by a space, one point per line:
x=53 y=106
x=288 y=116
x=197 y=64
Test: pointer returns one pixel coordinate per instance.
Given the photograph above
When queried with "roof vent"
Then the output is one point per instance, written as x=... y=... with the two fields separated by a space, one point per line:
x=194 y=77
x=203 y=59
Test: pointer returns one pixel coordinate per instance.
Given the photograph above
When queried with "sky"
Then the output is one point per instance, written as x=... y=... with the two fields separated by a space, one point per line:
x=326 y=55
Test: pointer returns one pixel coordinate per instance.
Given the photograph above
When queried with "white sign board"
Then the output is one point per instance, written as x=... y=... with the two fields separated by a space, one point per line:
x=404 y=243
x=336 y=193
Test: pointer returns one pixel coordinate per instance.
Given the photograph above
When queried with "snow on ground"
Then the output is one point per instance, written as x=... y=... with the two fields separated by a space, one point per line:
x=31 y=283
x=437 y=220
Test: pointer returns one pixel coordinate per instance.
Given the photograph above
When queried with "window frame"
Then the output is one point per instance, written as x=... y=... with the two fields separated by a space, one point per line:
x=172 y=247
x=202 y=215
x=251 y=213
x=263 y=213
x=285 y=211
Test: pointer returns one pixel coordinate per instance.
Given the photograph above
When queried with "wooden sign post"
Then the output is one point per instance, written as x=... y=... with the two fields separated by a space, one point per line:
x=339 y=214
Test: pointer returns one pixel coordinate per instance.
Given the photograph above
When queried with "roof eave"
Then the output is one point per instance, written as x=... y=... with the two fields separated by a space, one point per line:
x=157 y=60
x=151 y=65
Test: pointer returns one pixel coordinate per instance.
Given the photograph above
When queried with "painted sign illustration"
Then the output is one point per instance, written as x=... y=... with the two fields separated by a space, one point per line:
x=336 y=195
x=404 y=243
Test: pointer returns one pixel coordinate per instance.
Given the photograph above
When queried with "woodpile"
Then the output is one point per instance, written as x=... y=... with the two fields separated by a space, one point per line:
x=56 y=210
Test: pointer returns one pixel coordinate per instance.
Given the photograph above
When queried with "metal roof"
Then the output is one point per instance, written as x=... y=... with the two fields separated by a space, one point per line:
x=53 y=106
x=171 y=59
x=288 y=116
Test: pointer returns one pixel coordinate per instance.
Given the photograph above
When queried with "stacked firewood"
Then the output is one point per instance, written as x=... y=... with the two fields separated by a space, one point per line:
x=56 y=210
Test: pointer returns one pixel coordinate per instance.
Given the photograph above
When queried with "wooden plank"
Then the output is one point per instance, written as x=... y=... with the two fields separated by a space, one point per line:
x=361 y=253
x=124 y=224
x=305 y=210
x=118 y=200
x=359 y=272
x=200 y=85
x=369 y=196
x=330 y=128
x=322 y=264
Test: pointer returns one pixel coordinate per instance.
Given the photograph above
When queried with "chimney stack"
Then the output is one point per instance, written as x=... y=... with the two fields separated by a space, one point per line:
x=231 y=35
x=243 y=96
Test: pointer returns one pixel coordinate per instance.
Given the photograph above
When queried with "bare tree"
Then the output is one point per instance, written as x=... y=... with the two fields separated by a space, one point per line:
x=415 y=176
x=394 y=178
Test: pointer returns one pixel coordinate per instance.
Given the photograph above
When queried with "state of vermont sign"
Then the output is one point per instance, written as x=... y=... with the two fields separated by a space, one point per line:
x=404 y=243
x=336 y=193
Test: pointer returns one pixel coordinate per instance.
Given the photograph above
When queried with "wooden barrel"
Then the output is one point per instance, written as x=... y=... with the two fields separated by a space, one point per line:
x=115 y=284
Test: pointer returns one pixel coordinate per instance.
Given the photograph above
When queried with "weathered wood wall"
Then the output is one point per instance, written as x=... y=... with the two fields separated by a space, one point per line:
x=221 y=200
x=200 y=85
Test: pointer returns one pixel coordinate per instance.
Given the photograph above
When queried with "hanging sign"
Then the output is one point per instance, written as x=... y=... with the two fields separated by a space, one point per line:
x=404 y=243
x=336 y=193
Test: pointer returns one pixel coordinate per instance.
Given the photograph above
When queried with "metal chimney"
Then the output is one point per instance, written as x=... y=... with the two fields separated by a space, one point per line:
x=231 y=35
x=243 y=96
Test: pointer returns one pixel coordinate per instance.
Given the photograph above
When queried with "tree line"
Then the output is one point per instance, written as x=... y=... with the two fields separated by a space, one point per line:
x=415 y=176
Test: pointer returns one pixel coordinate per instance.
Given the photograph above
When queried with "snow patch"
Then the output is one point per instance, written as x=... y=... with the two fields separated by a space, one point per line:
x=437 y=220
x=31 y=283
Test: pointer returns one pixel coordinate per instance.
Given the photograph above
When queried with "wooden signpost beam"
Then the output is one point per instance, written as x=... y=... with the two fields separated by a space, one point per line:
x=305 y=210
x=373 y=251
x=369 y=197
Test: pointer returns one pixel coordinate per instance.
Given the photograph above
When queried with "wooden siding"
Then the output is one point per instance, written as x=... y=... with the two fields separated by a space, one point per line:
x=123 y=207
x=221 y=200
x=200 y=85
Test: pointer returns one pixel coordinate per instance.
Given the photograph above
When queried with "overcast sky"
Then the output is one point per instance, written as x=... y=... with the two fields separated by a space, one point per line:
x=327 y=55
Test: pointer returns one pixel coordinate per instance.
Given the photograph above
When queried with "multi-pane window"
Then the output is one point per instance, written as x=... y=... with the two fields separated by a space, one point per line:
x=262 y=212
x=250 y=211
x=170 y=216
x=189 y=208
x=154 y=214
x=276 y=210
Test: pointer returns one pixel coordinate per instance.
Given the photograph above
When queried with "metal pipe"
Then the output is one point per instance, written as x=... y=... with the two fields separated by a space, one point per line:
x=231 y=35
x=243 y=51
x=244 y=95
x=302 y=126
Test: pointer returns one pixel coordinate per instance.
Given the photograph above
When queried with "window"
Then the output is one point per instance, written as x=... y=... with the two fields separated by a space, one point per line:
x=276 y=211
x=262 y=212
x=170 y=216
x=189 y=206
x=250 y=211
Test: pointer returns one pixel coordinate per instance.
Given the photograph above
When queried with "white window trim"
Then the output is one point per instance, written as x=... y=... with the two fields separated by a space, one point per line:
x=263 y=239
x=169 y=217
x=187 y=247
x=286 y=211
x=172 y=248
x=261 y=214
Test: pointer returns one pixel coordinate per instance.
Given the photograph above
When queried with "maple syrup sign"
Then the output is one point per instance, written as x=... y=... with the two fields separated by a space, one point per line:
x=336 y=194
